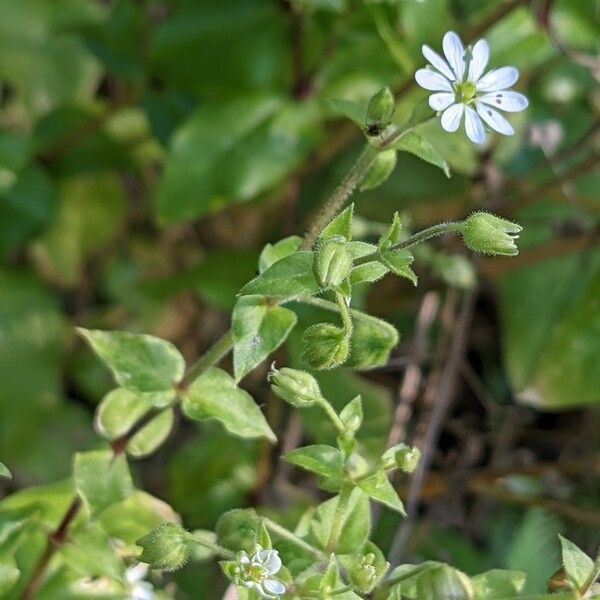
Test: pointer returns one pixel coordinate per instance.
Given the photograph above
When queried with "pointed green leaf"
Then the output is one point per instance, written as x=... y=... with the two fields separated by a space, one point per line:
x=258 y=330
x=372 y=341
x=347 y=108
x=358 y=249
x=578 y=565
x=271 y=253
x=101 y=479
x=419 y=146
x=214 y=395
x=324 y=460
x=368 y=273
x=352 y=414
x=4 y=471
x=340 y=225
x=139 y=362
x=9 y=574
x=498 y=584
x=380 y=489
x=152 y=435
x=399 y=261
x=291 y=276
x=392 y=235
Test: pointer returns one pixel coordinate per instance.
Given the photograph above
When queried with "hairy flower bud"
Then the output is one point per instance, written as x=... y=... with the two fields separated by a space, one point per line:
x=380 y=170
x=166 y=547
x=325 y=346
x=299 y=388
x=332 y=263
x=380 y=110
x=487 y=233
x=367 y=568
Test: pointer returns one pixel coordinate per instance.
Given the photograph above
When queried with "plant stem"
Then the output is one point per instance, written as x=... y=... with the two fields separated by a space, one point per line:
x=339 y=517
x=324 y=404
x=341 y=193
x=417 y=238
x=210 y=358
x=345 y=313
x=223 y=552
x=286 y=534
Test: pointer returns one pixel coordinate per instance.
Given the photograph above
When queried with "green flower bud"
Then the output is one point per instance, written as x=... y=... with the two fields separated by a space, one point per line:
x=380 y=170
x=367 y=568
x=332 y=263
x=325 y=346
x=380 y=111
x=487 y=233
x=299 y=388
x=167 y=547
x=401 y=457
x=238 y=529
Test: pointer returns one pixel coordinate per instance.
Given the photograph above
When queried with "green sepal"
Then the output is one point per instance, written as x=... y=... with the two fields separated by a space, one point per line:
x=352 y=415
x=325 y=346
x=340 y=225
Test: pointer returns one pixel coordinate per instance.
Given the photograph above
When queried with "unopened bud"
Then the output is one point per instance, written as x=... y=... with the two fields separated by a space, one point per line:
x=167 y=547
x=325 y=346
x=332 y=263
x=487 y=233
x=299 y=388
x=368 y=568
x=401 y=457
x=380 y=110
x=380 y=170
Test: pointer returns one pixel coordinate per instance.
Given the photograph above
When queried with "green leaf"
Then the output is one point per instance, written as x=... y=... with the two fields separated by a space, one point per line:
x=372 y=341
x=167 y=547
x=354 y=111
x=379 y=488
x=340 y=225
x=498 y=584
x=81 y=228
x=324 y=460
x=214 y=395
x=101 y=479
x=139 y=362
x=398 y=262
x=358 y=249
x=444 y=582
x=356 y=522
x=9 y=574
x=352 y=414
x=393 y=234
x=419 y=146
x=291 y=276
x=578 y=565
x=258 y=329
x=271 y=253
x=4 y=471
x=368 y=273
x=238 y=529
x=205 y=171
x=382 y=167
x=152 y=435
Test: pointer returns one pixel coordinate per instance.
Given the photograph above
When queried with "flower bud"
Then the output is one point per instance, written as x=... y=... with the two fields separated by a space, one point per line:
x=332 y=263
x=166 y=547
x=380 y=170
x=299 y=388
x=367 y=568
x=325 y=346
x=401 y=457
x=487 y=233
x=380 y=110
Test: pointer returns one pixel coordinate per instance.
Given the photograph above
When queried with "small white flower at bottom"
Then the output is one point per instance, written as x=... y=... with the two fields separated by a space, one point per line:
x=256 y=571
x=137 y=588
x=462 y=90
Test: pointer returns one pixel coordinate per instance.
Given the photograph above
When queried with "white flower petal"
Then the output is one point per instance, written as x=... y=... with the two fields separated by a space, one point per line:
x=455 y=54
x=270 y=561
x=508 y=101
x=452 y=116
x=441 y=100
x=438 y=62
x=474 y=126
x=143 y=591
x=432 y=80
x=136 y=573
x=274 y=587
x=494 y=119
x=479 y=60
x=498 y=79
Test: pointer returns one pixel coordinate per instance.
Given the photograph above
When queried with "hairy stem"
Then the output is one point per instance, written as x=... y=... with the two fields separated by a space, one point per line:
x=592 y=577
x=339 y=516
x=286 y=534
x=324 y=404
x=219 y=550
x=210 y=358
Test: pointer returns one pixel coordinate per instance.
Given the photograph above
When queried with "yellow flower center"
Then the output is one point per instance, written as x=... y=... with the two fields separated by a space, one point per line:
x=466 y=91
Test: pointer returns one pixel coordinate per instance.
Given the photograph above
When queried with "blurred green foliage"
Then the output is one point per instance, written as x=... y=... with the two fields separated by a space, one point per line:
x=149 y=149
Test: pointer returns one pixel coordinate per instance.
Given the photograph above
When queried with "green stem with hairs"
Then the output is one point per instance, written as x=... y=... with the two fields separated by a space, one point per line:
x=286 y=534
x=339 y=516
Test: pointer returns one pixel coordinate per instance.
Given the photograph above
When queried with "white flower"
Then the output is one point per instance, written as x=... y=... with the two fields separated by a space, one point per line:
x=137 y=588
x=255 y=572
x=461 y=88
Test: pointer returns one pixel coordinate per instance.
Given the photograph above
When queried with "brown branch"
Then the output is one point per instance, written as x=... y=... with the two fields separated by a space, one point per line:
x=442 y=397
